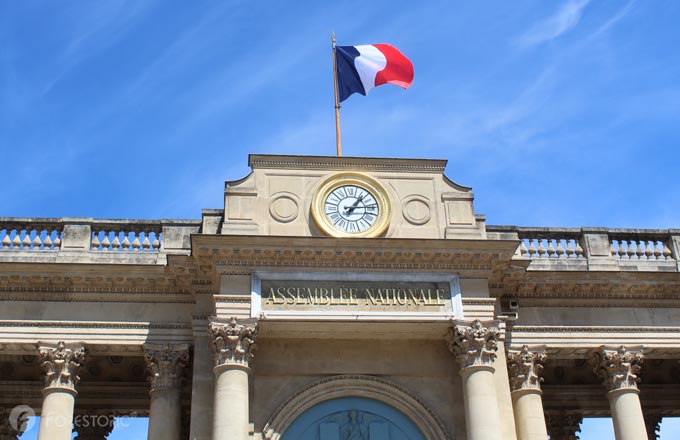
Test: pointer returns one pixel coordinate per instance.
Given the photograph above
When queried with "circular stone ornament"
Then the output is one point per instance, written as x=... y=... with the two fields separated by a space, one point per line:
x=284 y=207
x=351 y=205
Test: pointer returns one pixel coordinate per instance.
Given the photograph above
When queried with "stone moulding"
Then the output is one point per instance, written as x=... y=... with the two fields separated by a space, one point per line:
x=356 y=385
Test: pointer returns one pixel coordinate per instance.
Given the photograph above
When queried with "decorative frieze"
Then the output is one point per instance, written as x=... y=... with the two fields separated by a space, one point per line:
x=233 y=342
x=60 y=363
x=474 y=345
x=166 y=362
x=563 y=426
x=525 y=367
x=618 y=369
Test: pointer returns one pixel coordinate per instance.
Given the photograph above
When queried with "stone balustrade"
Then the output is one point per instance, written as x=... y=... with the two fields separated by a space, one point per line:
x=30 y=234
x=594 y=248
x=60 y=235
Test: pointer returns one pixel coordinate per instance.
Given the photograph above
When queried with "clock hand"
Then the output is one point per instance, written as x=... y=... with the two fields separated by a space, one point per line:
x=349 y=209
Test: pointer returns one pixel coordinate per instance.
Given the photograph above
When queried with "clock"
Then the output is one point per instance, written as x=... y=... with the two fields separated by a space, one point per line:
x=351 y=205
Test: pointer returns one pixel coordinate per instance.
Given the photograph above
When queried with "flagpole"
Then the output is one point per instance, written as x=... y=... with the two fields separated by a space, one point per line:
x=338 y=143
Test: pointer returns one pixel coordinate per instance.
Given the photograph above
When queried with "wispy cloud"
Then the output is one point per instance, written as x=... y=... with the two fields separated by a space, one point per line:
x=566 y=18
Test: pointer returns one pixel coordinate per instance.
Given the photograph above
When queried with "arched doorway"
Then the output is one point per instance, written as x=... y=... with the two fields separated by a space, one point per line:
x=371 y=394
x=352 y=418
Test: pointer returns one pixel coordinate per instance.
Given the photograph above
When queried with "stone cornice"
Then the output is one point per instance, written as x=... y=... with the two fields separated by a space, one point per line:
x=471 y=258
x=577 y=286
x=86 y=278
x=326 y=163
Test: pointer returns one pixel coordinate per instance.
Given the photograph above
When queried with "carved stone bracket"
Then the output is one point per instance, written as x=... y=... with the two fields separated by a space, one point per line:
x=233 y=342
x=618 y=369
x=525 y=367
x=475 y=345
x=60 y=363
x=563 y=426
x=165 y=362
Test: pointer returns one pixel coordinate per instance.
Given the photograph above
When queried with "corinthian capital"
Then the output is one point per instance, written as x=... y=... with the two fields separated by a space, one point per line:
x=165 y=362
x=619 y=368
x=233 y=342
x=475 y=345
x=60 y=364
x=525 y=367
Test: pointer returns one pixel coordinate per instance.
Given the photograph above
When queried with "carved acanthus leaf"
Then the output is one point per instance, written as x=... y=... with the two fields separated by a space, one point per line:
x=60 y=363
x=474 y=345
x=525 y=368
x=165 y=362
x=618 y=369
x=233 y=342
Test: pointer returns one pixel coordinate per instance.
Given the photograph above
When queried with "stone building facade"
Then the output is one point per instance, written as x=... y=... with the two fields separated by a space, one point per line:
x=337 y=298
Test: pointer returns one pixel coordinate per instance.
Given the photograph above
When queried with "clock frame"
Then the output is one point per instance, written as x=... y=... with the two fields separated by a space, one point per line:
x=329 y=184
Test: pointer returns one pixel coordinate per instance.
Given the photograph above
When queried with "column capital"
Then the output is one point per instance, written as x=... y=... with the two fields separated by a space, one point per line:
x=525 y=367
x=165 y=362
x=60 y=363
x=618 y=368
x=474 y=345
x=233 y=342
x=563 y=426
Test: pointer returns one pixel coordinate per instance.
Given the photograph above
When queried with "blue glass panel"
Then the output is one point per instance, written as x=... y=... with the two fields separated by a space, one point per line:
x=352 y=418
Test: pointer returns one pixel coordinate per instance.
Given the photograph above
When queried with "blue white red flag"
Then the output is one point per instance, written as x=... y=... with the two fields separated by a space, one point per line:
x=360 y=68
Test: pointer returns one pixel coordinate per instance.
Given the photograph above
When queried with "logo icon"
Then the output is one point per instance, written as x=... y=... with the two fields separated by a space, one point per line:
x=22 y=418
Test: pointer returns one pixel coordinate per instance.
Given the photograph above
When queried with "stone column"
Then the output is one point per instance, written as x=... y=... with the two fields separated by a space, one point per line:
x=525 y=366
x=619 y=371
x=233 y=344
x=653 y=424
x=60 y=363
x=93 y=426
x=475 y=349
x=563 y=426
x=165 y=361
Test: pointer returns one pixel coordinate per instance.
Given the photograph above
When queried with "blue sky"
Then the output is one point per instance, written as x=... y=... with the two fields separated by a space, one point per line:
x=557 y=113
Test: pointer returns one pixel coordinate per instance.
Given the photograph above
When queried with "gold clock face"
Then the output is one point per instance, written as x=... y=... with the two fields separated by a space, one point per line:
x=351 y=205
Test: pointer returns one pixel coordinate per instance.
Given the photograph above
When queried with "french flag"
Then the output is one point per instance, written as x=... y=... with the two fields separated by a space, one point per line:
x=360 y=68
